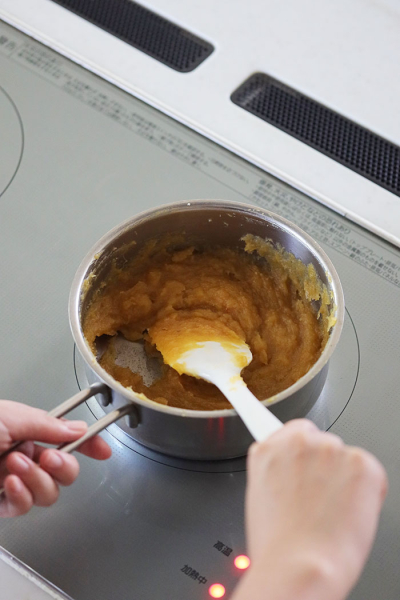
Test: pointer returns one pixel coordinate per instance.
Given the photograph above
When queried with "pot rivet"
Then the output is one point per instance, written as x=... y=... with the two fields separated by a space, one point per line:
x=132 y=421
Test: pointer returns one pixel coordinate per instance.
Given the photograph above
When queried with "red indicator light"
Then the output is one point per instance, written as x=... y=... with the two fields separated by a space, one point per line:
x=216 y=590
x=242 y=562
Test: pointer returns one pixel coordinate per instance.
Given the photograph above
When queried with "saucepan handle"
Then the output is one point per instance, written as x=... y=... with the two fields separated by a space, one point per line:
x=103 y=423
x=81 y=397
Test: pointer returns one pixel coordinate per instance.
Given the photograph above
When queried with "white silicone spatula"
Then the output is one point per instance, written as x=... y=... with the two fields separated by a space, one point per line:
x=218 y=364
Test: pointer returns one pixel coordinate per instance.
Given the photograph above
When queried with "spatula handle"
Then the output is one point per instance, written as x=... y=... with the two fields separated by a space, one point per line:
x=258 y=419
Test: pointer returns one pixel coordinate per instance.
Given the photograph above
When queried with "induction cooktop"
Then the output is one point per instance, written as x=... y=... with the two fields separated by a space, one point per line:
x=78 y=156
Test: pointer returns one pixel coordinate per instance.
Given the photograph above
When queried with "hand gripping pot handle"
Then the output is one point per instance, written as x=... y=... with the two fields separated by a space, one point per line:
x=103 y=423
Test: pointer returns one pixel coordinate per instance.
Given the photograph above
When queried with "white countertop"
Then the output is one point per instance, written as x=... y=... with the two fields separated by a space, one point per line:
x=19 y=582
x=344 y=55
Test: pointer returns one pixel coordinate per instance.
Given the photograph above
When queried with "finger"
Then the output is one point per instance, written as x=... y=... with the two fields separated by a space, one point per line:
x=300 y=425
x=368 y=463
x=384 y=488
x=42 y=486
x=27 y=423
x=27 y=448
x=63 y=467
x=96 y=448
x=37 y=452
x=18 y=499
x=332 y=440
x=296 y=425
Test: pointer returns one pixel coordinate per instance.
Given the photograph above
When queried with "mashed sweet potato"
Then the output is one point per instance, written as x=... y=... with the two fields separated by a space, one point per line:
x=263 y=296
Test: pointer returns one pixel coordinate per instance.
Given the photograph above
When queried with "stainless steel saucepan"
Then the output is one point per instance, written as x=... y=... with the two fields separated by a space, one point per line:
x=192 y=434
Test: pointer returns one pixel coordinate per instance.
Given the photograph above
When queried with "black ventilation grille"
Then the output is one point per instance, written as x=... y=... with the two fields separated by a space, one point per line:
x=144 y=30
x=321 y=128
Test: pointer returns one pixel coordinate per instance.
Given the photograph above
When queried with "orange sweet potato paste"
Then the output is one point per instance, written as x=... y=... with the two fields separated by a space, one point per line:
x=261 y=295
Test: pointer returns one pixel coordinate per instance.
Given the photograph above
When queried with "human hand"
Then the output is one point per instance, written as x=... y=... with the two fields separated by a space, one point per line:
x=312 y=510
x=32 y=475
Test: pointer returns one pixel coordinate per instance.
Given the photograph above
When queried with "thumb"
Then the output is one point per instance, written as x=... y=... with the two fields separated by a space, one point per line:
x=21 y=422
